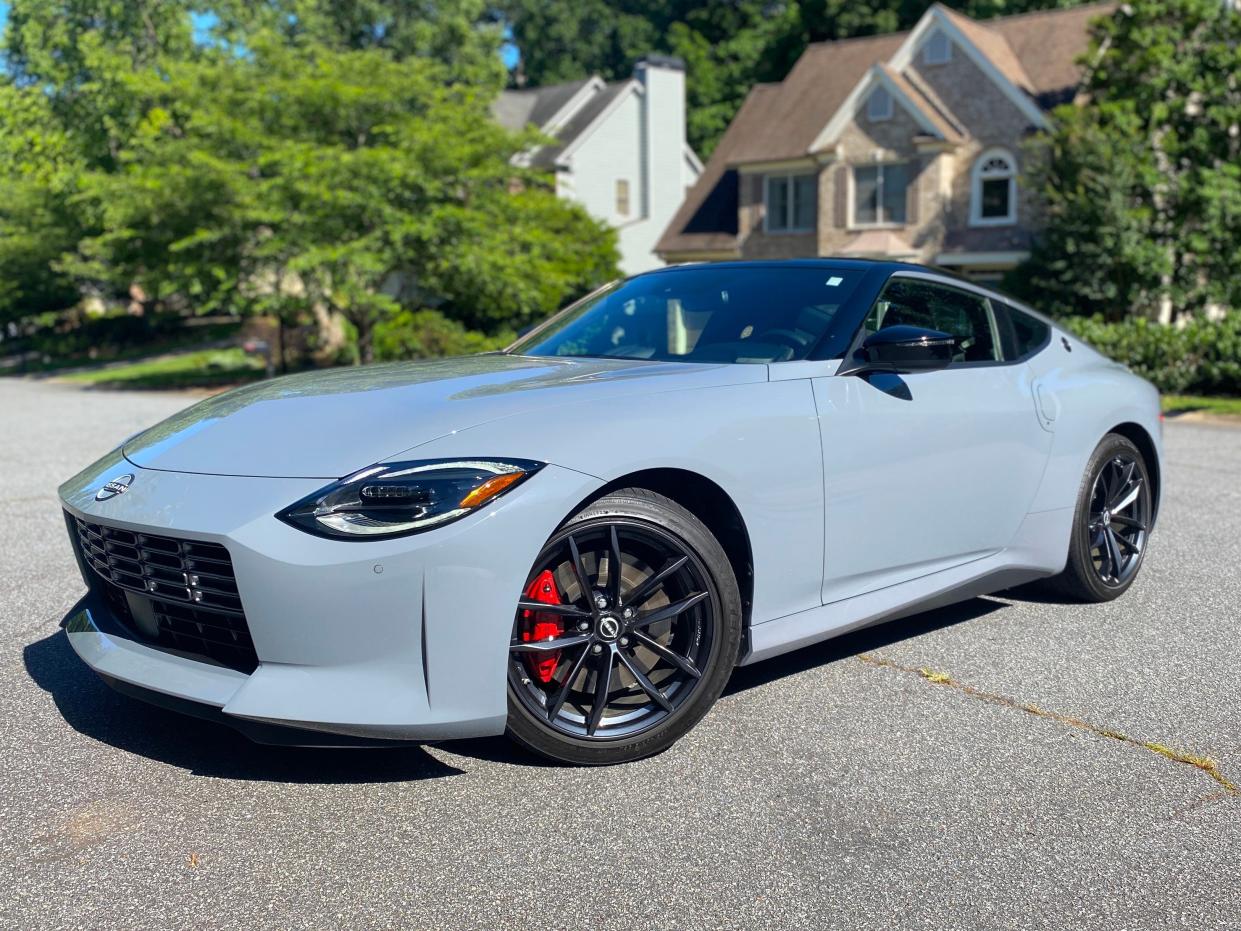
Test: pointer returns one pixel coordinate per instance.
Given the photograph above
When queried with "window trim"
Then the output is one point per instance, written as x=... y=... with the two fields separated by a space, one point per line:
x=928 y=58
x=885 y=114
x=977 y=178
x=788 y=178
x=851 y=205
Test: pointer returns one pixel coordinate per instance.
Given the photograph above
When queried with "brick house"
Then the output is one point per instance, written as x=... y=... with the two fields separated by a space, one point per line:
x=905 y=146
x=617 y=148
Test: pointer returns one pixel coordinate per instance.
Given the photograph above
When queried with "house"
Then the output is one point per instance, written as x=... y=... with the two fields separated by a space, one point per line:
x=905 y=146
x=619 y=149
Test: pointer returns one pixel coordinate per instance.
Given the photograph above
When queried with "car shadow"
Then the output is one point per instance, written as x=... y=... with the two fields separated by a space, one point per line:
x=861 y=641
x=202 y=747
x=205 y=748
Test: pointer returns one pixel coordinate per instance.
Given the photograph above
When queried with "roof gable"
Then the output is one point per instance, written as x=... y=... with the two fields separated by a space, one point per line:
x=989 y=51
x=903 y=93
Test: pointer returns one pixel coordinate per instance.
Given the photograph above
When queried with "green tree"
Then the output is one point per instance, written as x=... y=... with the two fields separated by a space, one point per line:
x=347 y=181
x=37 y=219
x=1143 y=184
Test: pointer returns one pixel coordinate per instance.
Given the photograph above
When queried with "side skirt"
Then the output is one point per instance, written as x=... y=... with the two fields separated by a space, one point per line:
x=1039 y=550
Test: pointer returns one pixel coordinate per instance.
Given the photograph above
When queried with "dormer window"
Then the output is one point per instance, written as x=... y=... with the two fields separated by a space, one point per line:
x=879 y=105
x=938 y=49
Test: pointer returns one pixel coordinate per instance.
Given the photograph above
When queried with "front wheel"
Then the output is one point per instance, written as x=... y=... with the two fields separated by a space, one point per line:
x=626 y=632
x=1111 y=524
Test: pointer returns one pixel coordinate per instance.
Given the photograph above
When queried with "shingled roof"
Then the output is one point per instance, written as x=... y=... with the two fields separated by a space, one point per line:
x=1036 y=52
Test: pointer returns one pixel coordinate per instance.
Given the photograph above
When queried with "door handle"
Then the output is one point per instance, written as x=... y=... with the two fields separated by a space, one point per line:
x=1047 y=405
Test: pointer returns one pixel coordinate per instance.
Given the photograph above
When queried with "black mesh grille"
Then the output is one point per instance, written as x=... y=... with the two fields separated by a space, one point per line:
x=188 y=584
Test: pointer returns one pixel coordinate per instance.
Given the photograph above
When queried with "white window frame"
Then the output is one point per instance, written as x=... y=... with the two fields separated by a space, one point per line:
x=787 y=178
x=851 y=206
x=883 y=95
x=929 y=57
x=980 y=173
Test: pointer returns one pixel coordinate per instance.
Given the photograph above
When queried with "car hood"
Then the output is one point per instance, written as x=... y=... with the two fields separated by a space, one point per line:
x=328 y=424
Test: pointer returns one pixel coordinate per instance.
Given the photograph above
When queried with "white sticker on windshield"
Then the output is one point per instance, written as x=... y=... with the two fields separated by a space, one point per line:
x=834 y=281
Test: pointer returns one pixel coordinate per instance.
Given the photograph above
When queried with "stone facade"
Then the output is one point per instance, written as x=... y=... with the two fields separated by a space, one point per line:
x=958 y=120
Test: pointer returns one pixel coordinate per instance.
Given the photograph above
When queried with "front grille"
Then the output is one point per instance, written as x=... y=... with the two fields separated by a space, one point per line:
x=188 y=585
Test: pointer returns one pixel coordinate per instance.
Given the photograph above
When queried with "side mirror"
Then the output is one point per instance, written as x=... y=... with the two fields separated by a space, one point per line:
x=902 y=349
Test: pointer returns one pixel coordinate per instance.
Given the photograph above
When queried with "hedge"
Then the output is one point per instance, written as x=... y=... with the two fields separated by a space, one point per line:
x=1201 y=357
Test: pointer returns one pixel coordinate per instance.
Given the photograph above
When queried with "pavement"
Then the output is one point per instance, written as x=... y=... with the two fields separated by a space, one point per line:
x=1005 y=763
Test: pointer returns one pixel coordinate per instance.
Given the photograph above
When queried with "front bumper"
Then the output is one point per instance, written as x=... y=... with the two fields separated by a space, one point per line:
x=403 y=639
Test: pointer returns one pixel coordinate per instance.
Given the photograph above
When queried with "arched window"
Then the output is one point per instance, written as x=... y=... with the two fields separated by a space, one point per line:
x=993 y=201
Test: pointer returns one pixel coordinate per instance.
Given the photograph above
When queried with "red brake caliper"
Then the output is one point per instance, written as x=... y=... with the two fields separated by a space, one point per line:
x=542 y=625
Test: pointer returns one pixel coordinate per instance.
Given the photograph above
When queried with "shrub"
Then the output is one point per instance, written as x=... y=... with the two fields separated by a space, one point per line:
x=428 y=334
x=1201 y=357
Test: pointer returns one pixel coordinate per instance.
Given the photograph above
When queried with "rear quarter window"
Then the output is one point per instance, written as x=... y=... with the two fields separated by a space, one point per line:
x=1027 y=334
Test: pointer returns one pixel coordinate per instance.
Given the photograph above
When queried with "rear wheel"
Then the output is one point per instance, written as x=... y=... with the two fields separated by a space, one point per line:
x=1111 y=524
x=627 y=631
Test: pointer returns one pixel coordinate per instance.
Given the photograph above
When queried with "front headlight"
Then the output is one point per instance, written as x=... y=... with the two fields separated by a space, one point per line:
x=398 y=498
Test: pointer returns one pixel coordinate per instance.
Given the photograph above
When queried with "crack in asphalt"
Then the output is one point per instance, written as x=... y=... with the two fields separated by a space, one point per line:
x=1206 y=764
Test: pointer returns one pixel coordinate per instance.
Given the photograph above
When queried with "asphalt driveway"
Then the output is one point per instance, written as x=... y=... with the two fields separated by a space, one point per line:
x=1006 y=763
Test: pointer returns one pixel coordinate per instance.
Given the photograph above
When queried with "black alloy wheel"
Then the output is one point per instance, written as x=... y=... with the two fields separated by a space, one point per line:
x=625 y=633
x=1119 y=518
x=1112 y=524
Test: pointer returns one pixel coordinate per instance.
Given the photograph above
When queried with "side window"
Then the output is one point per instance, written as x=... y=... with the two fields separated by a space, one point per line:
x=1028 y=334
x=966 y=316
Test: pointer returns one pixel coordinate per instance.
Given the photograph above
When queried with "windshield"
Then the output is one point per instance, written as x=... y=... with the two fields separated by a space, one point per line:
x=755 y=314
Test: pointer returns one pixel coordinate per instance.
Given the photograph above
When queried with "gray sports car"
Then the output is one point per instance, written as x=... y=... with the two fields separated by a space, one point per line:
x=577 y=539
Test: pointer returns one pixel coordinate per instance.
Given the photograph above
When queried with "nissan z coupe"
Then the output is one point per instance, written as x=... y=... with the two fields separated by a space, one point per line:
x=577 y=539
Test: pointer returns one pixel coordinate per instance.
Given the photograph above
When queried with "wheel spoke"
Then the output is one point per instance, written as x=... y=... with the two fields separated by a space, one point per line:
x=669 y=610
x=1127 y=498
x=676 y=659
x=566 y=610
x=647 y=587
x=603 y=685
x=614 y=566
x=548 y=646
x=1128 y=522
x=556 y=701
x=582 y=580
x=1113 y=552
x=1127 y=545
x=647 y=685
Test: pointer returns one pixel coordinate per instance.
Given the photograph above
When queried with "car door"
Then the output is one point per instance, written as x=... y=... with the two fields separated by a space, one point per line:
x=927 y=471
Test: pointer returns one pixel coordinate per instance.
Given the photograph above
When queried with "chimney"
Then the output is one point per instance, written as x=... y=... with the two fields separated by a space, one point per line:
x=663 y=80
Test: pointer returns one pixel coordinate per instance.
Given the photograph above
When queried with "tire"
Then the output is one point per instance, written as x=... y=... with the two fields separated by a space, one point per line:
x=665 y=665
x=1090 y=574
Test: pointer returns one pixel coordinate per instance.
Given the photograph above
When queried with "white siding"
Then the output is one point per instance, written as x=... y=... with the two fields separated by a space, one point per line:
x=641 y=140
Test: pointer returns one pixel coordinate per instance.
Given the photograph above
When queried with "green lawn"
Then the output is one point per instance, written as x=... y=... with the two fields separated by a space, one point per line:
x=1184 y=403
x=203 y=369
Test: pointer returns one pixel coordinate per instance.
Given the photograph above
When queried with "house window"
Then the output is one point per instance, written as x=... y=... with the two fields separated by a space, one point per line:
x=622 y=197
x=993 y=201
x=790 y=202
x=938 y=49
x=879 y=105
x=879 y=194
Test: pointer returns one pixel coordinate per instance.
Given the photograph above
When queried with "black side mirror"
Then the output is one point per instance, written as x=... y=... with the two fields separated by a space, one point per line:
x=902 y=349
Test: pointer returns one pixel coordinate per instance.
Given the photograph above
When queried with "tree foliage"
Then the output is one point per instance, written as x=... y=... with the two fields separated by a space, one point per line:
x=728 y=45
x=313 y=158
x=1143 y=185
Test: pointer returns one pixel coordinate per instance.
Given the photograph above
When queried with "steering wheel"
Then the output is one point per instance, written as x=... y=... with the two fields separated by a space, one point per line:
x=788 y=338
